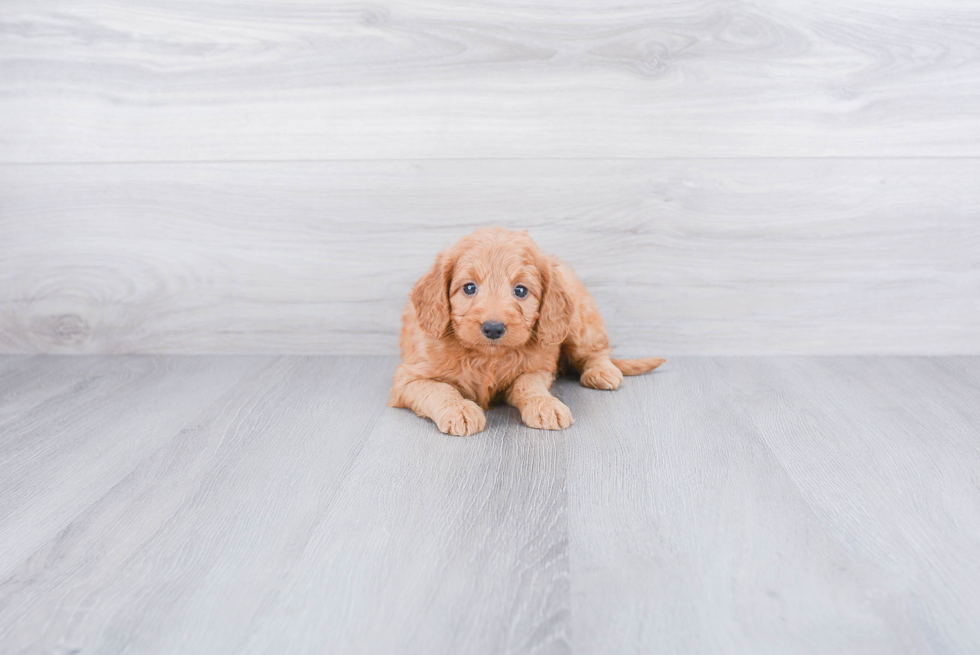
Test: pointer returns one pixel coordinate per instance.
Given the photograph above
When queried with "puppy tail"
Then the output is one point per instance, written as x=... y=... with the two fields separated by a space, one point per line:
x=637 y=366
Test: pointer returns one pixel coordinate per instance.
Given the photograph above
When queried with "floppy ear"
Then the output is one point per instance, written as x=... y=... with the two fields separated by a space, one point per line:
x=556 y=307
x=430 y=295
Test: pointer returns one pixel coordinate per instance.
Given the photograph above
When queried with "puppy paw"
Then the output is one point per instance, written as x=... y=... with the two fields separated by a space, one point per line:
x=462 y=419
x=605 y=376
x=547 y=413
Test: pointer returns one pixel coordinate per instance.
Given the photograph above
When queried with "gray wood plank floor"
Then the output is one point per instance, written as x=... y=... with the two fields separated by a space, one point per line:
x=274 y=504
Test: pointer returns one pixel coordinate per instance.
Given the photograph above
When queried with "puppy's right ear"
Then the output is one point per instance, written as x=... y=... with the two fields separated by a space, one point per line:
x=430 y=295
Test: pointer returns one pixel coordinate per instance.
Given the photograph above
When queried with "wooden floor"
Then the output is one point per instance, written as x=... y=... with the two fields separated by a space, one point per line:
x=275 y=504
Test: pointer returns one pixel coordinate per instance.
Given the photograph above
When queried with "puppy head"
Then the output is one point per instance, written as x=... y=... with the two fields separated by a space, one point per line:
x=493 y=289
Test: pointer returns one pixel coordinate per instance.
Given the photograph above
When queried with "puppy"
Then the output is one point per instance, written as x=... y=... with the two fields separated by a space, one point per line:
x=489 y=322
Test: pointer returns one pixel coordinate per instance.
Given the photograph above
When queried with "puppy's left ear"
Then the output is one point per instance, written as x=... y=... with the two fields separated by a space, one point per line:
x=430 y=295
x=556 y=306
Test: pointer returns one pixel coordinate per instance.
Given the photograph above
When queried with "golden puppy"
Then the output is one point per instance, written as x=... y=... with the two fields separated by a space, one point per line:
x=488 y=322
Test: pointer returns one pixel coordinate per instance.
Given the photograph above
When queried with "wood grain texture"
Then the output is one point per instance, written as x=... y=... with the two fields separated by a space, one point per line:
x=684 y=257
x=268 y=505
x=258 y=80
x=748 y=505
x=274 y=505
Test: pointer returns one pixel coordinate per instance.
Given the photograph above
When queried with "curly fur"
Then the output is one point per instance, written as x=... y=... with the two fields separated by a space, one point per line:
x=451 y=373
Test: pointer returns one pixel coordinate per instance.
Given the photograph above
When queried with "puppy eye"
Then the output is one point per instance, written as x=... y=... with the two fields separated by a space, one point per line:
x=520 y=291
x=469 y=288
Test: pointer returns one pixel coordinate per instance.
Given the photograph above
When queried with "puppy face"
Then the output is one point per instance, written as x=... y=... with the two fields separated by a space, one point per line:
x=493 y=289
x=495 y=295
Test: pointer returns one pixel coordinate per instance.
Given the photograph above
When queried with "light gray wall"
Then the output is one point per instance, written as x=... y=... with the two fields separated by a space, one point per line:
x=234 y=176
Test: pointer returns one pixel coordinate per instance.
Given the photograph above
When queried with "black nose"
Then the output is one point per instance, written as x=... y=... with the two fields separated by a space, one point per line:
x=493 y=330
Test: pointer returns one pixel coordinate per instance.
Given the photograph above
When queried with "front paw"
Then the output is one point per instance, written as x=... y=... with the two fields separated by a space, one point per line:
x=547 y=413
x=602 y=377
x=462 y=419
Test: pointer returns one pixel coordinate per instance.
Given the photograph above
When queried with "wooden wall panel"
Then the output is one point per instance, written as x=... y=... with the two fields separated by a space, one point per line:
x=684 y=256
x=230 y=80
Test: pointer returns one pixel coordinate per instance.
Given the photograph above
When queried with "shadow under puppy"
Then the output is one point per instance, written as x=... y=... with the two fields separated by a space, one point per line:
x=490 y=321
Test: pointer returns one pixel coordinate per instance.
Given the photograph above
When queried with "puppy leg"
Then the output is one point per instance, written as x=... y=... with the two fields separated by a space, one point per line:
x=598 y=372
x=587 y=347
x=539 y=409
x=440 y=402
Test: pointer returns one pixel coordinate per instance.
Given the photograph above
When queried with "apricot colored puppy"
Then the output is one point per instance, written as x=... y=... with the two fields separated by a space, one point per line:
x=489 y=322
